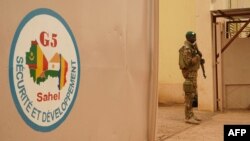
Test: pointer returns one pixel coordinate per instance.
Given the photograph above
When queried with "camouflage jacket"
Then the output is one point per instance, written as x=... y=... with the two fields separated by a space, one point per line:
x=191 y=60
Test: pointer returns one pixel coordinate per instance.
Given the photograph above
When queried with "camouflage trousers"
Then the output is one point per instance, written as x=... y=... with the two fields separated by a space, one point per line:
x=190 y=89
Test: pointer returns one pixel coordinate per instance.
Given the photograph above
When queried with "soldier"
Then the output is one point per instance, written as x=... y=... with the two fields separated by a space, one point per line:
x=189 y=63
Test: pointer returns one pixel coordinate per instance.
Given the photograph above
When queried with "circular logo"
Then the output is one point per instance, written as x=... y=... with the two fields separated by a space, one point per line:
x=44 y=69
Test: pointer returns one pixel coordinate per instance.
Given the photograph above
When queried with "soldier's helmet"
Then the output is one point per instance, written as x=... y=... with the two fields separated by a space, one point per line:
x=191 y=36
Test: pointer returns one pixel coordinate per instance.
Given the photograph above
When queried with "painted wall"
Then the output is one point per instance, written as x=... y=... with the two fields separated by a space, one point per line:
x=175 y=19
x=203 y=26
x=239 y=3
x=113 y=43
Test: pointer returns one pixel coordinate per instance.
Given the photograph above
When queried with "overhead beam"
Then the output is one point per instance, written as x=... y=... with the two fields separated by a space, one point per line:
x=225 y=15
x=232 y=15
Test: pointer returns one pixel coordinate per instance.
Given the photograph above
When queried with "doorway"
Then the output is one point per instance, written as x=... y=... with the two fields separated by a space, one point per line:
x=231 y=54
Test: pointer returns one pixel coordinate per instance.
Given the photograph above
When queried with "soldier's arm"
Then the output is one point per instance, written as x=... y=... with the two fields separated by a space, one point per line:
x=187 y=56
x=190 y=58
x=196 y=59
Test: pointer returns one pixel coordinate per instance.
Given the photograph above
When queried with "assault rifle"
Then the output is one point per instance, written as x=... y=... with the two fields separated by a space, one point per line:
x=202 y=67
x=202 y=61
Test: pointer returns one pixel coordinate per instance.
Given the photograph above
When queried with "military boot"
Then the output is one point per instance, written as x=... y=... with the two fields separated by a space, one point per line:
x=196 y=118
x=192 y=121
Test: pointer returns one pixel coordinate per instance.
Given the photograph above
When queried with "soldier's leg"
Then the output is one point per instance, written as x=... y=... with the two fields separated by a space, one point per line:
x=189 y=97
x=188 y=105
x=196 y=96
x=195 y=100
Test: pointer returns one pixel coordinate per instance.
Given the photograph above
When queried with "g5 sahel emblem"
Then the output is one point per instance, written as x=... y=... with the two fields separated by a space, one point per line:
x=44 y=69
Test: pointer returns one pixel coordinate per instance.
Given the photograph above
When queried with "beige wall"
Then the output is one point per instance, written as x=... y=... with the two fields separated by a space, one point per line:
x=240 y=3
x=113 y=41
x=175 y=19
x=203 y=25
x=220 y=4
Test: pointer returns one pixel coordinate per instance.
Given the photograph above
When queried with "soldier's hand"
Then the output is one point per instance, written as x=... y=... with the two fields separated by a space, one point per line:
x=196 y=59
x=202 y=61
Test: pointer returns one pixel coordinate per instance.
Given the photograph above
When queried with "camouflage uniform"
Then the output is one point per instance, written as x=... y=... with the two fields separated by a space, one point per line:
x=192 y=63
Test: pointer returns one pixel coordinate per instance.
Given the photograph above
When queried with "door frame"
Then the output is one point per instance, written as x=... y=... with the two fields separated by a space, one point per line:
x=218 y=48
x=153 y=20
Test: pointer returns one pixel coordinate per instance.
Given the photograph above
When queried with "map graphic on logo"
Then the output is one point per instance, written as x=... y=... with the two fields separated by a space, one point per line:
x=41 y=69
x=44 y=69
